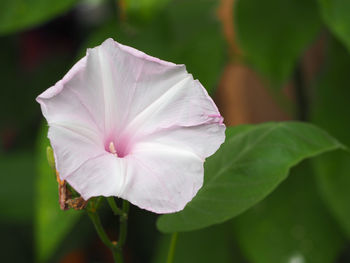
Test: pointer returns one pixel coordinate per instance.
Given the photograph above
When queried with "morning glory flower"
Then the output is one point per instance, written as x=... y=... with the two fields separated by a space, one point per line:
x=125 y=124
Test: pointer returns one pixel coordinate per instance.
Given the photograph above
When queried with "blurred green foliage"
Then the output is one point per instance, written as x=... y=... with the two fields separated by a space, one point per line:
x=143 y=10
x=17 y=167
x=291 y=225
x=186 y=32
x=205 y=246
x=274 y=34
x=20 y=14
x=331 y=111
x=336 y=16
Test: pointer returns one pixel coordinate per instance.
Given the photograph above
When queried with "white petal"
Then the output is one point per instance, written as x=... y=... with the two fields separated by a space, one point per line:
x=103 y=175
x=70 y=99
x=129 y=79
x=185 y=104
x=162 y=179
x=203 y=140
x=75 y=128
x=73 y=144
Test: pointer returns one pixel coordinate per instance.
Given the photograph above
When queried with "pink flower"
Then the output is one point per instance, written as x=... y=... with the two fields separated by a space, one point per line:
x=126 y=124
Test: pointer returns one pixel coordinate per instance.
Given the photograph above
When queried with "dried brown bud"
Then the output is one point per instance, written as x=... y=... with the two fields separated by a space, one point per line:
x=76 y=203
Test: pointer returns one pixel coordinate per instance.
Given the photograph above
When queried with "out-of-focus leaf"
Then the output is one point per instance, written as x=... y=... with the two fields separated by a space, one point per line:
x=143 y=10
x=291 y=225
x=274 y=33
x=247 y=167
x=51 y=223
x=204 y=246
x=16 y=192
x=335 y=14
x=185 y=32
x=19 y=14
x=331 y=111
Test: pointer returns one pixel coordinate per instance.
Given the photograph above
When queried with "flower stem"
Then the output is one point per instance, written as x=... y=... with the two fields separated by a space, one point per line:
x=117 y=255
x=123 y=225
x=172 y=247
x=116 y=210
x=99 y=229
x=116 y=247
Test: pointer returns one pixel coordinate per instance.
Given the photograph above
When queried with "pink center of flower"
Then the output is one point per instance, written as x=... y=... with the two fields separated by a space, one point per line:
x=119 y=147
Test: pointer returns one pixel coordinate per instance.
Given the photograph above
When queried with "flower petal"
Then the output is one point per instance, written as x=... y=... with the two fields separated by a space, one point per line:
x=169 y=166
x=75 y=130
x=71 y=99
x=203 y=140
x=73 y=144
x=185 y=104
x=162 y=179
x=129 y=79
x=103 y=175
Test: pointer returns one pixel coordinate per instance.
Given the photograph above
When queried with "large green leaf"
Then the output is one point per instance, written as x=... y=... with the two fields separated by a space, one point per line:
x=331 y=111
x=247 y=167
x=51 y=223
x=335 y=14
x=274 y=33
x=16 y=194
x=185 y=32
x=204 y=246
x=291 y=225
x=20 y=14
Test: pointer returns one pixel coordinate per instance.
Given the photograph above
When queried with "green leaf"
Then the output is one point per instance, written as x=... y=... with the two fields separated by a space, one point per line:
x=335 y=14
x=51 y=223
x=274 y=33
x=331 y=111
x=247 y=167
x=19 y=14
x=186 y=32
x=16 y=194
x=291 y=225
x=205 y=246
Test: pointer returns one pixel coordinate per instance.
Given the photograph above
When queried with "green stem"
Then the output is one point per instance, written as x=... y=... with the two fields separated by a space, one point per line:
x=117 y=255
x=172 y=247
x=117 y=249
x=116 y=210
x=123 y=225
x=99 y=229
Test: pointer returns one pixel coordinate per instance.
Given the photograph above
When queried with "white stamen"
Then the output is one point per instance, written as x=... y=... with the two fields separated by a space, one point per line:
x=112 y=149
